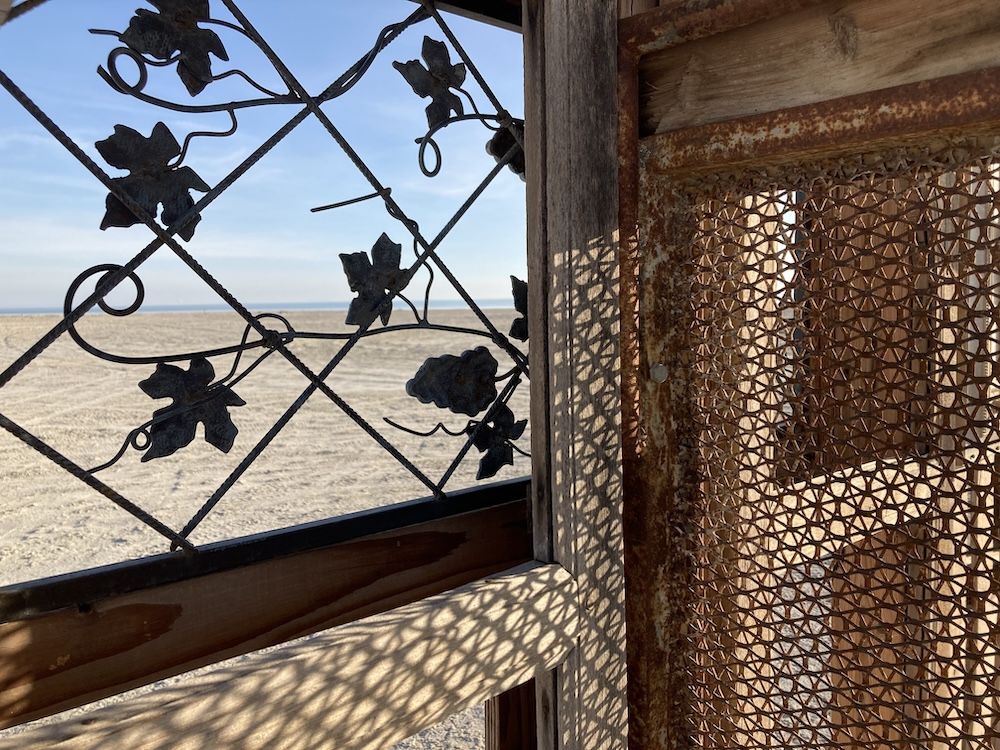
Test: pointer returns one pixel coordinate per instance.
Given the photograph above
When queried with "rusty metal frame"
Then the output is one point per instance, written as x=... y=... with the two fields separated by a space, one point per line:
x=962 y=103
x=968 y=103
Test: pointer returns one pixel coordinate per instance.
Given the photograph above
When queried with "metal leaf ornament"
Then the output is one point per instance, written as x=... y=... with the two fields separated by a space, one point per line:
x=175 y=31
x=372 y=279
x=152 y=180
x=194 y=401
x=519 y=328
x=503 y=141
x=435 y=81
x=464 y=384
x=494 y=438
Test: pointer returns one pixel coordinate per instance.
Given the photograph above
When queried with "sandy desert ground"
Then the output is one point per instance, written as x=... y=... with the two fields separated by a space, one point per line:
x=321 y=464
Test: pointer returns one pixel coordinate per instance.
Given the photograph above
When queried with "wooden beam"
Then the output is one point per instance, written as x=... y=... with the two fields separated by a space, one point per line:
x=505 y=14
x=361 y=686
x=675 y=22
x=72 y=656
x=573 y=277
x=838 y=48
x=4 y=9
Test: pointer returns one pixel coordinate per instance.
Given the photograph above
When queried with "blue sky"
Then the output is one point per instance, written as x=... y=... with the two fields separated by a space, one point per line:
x=259 y=239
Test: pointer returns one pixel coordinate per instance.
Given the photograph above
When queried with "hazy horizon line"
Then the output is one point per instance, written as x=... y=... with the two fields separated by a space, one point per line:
x=456 y=304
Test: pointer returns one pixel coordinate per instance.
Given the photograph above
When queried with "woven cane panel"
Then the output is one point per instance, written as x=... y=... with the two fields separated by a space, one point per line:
x=847 y=330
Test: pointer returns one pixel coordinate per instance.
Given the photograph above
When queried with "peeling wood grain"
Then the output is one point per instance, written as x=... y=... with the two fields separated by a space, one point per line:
x=73 y=656
x=361 y=686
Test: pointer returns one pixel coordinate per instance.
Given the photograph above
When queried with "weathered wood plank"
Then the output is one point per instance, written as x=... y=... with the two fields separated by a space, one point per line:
x=675 y=22
x=536 y=143
x=573 y=255
x=833 y=50
x=505 y=14
x=73 y=656
x=361 y=686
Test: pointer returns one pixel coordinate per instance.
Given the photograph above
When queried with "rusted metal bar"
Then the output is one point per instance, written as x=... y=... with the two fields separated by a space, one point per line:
x=965 y=103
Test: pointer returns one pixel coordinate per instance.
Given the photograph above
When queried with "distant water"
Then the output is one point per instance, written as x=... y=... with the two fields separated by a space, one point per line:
x=268 y=307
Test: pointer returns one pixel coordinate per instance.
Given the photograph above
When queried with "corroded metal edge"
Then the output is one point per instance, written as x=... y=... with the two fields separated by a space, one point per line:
x=962 y=103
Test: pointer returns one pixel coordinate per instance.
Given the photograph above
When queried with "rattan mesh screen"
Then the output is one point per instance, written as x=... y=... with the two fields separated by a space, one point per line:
x=847 y=330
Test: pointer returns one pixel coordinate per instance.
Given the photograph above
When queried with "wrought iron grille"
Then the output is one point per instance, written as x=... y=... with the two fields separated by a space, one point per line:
x=198 y=393
x=847 y=326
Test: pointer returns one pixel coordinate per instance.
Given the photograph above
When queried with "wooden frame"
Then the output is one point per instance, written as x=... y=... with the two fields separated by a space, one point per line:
x=94 y=647
x=364 y=685
x=567 y=614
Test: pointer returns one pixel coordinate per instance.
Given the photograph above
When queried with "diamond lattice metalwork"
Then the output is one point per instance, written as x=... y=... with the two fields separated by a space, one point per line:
x=202 y=392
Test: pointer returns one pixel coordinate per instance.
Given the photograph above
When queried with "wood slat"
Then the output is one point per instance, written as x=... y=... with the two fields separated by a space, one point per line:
x=510 y=719
x=833 y=50
x=361 y=686
x=505 y=14
x=73 y=656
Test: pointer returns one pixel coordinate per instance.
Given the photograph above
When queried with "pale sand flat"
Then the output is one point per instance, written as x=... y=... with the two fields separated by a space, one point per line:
x=321 y=465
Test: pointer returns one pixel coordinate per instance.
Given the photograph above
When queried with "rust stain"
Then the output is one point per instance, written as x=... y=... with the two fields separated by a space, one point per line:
x=60 y=662
x=959 y=103
x=662 y=479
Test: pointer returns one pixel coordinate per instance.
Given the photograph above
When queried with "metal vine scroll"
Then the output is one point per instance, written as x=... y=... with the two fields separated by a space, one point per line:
x=160 y=190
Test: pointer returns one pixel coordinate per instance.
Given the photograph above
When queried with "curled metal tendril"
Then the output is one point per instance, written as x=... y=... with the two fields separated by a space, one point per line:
x=106 y=270
x=440 y=427
x=428 y=140
x=116 y=80
x=141 y=438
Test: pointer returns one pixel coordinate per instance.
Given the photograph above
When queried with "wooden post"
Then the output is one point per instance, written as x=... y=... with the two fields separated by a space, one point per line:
x=510 y=719
x=570 y=113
